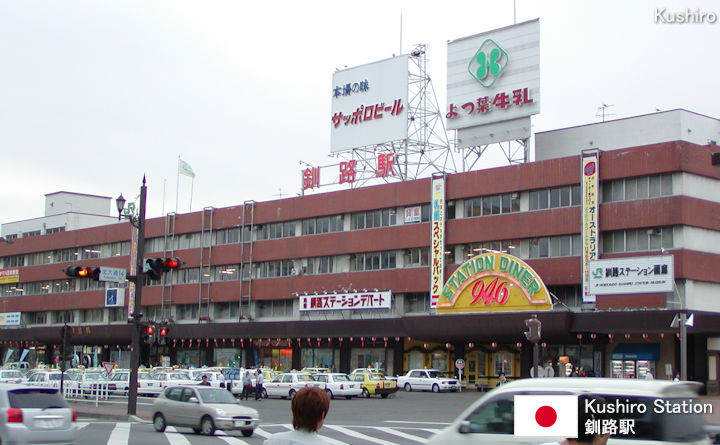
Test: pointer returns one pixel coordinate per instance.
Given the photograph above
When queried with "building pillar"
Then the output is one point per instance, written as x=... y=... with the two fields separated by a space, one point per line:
x=345 y=365
x=398 y=356
x=296 y=356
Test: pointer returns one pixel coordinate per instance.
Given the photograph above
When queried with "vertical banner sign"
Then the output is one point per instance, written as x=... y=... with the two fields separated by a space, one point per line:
x=133 y=270
x=437 y=239
x=590 y=217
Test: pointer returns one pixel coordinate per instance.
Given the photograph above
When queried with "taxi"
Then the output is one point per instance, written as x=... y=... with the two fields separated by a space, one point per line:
x=374 y=383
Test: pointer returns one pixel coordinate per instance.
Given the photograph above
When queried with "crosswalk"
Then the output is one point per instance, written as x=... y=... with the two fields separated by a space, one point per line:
x=138 y=433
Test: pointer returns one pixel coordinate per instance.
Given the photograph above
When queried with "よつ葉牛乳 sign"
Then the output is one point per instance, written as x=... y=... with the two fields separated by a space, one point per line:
x=494 y=282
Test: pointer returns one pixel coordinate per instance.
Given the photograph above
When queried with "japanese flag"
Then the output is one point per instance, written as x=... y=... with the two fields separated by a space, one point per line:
x=546 y=415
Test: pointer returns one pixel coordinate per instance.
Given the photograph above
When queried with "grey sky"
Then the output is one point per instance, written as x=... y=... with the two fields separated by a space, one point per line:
x=95 y=94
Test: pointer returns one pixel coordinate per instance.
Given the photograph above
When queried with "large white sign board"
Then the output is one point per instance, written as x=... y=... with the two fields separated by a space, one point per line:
x=637 y=275
x=494 y=77
x=350 y=301
x=369 y=104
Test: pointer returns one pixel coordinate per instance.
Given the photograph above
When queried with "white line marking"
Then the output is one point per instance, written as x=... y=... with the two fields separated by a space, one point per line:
x=434 y=431
x=120 y=434
x=423 y=423
x=222 y=435
x=174 y=437
x=358 y=435
x=401 y=434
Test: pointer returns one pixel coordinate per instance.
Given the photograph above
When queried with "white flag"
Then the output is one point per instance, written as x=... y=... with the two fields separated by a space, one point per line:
x=185 y=169
x=546 y=415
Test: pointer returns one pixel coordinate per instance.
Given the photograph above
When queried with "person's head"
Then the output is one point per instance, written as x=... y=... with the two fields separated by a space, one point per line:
x=204 y=378
x=309 y=408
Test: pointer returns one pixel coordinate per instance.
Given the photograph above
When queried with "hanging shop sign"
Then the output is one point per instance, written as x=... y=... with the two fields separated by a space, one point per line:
x=636 y=275
x=10 y=318
x=346 y=301
x=494 y=282
x=590 y=217
x=437 y=238
x=9 y=276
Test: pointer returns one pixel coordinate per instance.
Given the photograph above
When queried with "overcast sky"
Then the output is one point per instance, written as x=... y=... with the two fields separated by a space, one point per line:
x=94 y=94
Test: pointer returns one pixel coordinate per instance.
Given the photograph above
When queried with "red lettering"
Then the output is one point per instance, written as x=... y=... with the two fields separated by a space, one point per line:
x=491 y=292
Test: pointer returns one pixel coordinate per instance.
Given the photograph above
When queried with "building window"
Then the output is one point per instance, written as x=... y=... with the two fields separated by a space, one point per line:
x=31 y=233
x=272 y=269
x=416 y=302
x=319 y=265
x=35 y=318
x=570 y=296
x=492 y=205
x=504 y=246
x=14 y=260
x=226 y=310
x=327 y=224
x=373 y=261
x=226 y=273
x=55 y=230
x=643 y=187
x=555 y=197
x=117 y=314
x=637 y=240
x=417 y=257
x=373 y=219
x=92 y=315
x=275 y=308
x=65 y=317
x=555 y=246
x=186 y=311
x=276 y=230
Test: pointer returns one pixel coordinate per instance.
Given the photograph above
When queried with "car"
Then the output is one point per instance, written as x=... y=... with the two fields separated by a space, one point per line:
x=375 y=383
x=12 y=376
x=287 y=384
x=23 y=367
x=491 y=418
x=120 y=383
x=204 y=409
x=49 y=379
x=35 y=415
x=216 y=379
x=315 y=370
x=172 y=378
x=87 y=383
x=338 y=384
x=427 y=380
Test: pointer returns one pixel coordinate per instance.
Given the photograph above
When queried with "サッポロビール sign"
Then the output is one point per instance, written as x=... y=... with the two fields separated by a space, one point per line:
x=494 y=282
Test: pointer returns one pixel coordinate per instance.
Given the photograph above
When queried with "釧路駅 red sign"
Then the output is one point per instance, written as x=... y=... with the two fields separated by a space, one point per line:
x=494 y=282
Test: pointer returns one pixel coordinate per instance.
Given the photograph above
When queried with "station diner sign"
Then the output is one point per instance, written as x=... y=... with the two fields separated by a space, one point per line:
x=494 y=282
x=346 y=301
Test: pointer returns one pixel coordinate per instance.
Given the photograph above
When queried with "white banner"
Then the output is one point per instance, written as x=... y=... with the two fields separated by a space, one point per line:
x=636 y=275
x=343 y=302
x=437 y=239
x=10 y=318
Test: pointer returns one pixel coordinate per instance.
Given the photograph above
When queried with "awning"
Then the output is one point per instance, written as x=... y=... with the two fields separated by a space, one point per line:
x=636 y=351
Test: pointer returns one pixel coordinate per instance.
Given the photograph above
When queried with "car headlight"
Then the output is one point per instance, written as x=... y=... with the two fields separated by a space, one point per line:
x=221 y=412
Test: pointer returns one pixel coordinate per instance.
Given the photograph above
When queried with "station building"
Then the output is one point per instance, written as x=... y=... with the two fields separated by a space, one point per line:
x=342 y=279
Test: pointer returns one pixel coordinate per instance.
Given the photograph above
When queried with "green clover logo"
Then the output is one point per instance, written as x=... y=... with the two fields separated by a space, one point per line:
x=488 y=63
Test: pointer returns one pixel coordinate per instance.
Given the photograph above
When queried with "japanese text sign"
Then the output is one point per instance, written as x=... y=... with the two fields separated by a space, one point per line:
x=9 y=276
x=437 y=239
x=348 y=301
x=636 y=275
x=590 y=216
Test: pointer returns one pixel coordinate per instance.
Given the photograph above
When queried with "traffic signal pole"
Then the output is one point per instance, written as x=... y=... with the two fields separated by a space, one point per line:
x=136 y=325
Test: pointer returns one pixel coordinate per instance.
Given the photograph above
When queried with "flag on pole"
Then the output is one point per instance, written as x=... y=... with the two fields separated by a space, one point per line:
x=185 y=169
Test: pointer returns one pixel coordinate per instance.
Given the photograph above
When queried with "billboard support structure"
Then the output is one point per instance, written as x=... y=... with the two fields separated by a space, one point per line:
x=426 y=150
x=515 y=152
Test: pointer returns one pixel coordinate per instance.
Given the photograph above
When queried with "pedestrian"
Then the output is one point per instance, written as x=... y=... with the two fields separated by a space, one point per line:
x=259 y=380
x=649 y=375
x=677 y=378
x=309 y=408
x=205 y=381
x=247 y=386
x=502 y=378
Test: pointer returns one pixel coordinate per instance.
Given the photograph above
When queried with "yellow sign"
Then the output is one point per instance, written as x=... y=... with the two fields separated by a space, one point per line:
x=590 y=223
x=9 y=276
x=494 y=282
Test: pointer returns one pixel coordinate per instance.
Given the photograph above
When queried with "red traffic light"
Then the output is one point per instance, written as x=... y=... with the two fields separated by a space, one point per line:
x=149 y=329
x=172 y=263
x=163 y=331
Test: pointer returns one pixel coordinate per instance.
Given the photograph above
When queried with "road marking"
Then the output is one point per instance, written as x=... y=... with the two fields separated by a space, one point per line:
x=262 y=433
x=222 y=435
x=175 y=438
x=434 y=431
x=423 y=423
x=120 y=434
x=400 y=434
x=358 y=435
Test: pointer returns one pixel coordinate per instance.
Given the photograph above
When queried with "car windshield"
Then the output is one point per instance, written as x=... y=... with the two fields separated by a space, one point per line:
x=94 y=377
x=341 y=378
x=54 y=376
x=305 y=378
x=121 y=376
x=177 y=377
x=36 y=398
x=436 y=374
x=214 y=395
x=144 y=376
x=376 y=377
x=11 y=375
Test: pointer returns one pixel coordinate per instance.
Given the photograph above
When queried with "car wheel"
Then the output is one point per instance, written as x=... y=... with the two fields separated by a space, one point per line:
x=348 y=397
x=366 y=393
x=197 y=430
x=330 y=394
x=247 y=433
x=159 y=423
x=264 y=394
x=435 y=388
x=207 y=426
x=408 y=388
x=384 y=396
x=291 y=394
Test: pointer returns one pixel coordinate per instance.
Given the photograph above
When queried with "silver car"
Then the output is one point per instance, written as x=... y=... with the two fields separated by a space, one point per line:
x=33 y=414
x=204 y=409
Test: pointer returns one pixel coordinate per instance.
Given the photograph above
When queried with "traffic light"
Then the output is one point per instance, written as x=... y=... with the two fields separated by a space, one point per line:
x=162 y=335
x=158 y=266
x=83 y=272
x=149 y=334
x=533 y=333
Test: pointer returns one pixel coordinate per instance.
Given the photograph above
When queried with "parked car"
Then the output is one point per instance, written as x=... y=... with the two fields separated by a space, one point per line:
x=427 y=380
x=49 y=379
x=287 y=384
x=12 y=376
x=491 y=418
x=375 y=383
x=204 y=409
x=120 y=383
x=338 y=384
x=216 y=379
x=23 y=367
x=35 y=415
x=172 y=379
x=315 y=370
x=89 y=382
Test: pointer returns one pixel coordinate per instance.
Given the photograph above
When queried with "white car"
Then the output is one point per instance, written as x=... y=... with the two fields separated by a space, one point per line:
x=287 y=384
x=50 y=379
x=89 y=382
x=12 y=376
x=427 y=380
x=338 y=384
x=216 y=379
x=120 y=383
x=491 y=418
x=172 y=379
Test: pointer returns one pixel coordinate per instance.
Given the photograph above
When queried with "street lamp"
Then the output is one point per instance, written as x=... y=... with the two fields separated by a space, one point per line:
x=139 y=223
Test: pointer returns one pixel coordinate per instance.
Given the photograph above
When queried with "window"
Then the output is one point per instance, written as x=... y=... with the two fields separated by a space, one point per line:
x=93 y=315
x=416 y=302
x=13 y=261
x=65 y=317
x=186 y=311
x=555 y=197
x=327 y=224
x=503 y=363
x=226 y=310
x=642 y=187
x=319 y=265
x=373 y=261
x=276 y=230
x=555 y=246
x=417 y=257
x=637 y=240
x=492 y=205
x=275 y=308
x=226 y=273
x=373 y=219
x=494 y=417
x=570 y=296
